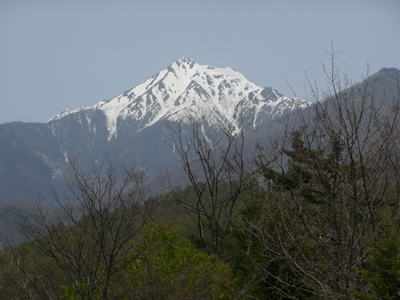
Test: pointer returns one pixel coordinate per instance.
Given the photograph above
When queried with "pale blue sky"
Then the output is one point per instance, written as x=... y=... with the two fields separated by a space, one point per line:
x=65 y=54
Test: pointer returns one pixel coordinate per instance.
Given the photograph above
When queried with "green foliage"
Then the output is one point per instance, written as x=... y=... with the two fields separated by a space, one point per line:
x=382 y=272
x=179 y=208
x=167 y=267
x=171 y=268
x=28 y=274
x=258 y=268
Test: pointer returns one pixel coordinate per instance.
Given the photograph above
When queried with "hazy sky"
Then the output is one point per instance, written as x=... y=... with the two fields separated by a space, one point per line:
x=65 y=54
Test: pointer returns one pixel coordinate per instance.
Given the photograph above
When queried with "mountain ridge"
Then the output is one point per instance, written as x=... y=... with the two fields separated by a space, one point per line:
x=186 y=87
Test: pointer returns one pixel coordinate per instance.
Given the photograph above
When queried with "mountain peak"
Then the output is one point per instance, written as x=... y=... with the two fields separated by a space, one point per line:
x=184 y=63
x=185 y=60
x=188 y=88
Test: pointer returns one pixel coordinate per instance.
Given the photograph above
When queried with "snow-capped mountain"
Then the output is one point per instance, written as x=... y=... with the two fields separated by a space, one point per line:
x=131 y=126
x=188 y=88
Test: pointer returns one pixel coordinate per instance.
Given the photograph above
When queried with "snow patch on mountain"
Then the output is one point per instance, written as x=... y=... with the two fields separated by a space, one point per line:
x=67 y=112
x=186 y=87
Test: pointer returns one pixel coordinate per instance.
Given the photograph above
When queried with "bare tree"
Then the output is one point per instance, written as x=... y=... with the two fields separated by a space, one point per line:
x=328 y=186
x=214 y=163
x=86 y=238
